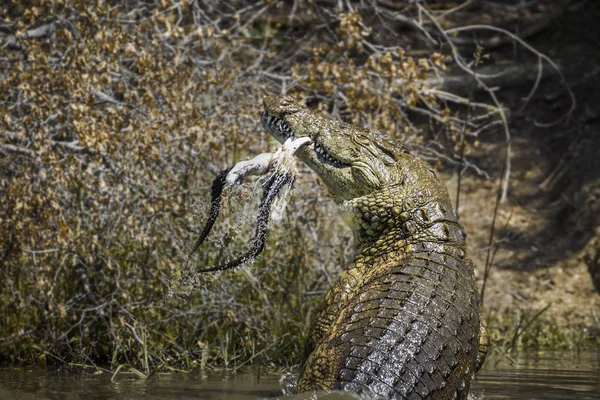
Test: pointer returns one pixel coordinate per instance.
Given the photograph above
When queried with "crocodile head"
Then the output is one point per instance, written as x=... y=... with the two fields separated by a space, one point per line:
x=376 y=183
x=352 y=161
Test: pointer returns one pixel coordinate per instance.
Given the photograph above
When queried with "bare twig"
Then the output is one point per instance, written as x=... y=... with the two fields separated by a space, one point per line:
x=17 y=150
x=460 y=62
x=532 y=50
x=457 y=8
x=519 y=332
x=488 y=261
x=478 y=56
x=533 y=28
x=39 y=32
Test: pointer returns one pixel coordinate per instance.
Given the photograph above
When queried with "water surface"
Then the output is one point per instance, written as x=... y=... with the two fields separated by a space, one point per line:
x=526 y=376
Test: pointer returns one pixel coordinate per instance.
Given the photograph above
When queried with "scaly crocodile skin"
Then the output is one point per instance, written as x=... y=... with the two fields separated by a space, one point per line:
x=402 y=321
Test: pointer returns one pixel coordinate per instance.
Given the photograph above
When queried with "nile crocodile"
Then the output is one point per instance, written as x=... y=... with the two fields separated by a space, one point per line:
x=402 y=321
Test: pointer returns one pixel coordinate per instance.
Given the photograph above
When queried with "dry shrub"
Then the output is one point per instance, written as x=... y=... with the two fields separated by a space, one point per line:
x=114 y=119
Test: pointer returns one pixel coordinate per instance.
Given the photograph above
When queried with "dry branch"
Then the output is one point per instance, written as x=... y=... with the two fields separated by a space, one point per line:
x=17 y=150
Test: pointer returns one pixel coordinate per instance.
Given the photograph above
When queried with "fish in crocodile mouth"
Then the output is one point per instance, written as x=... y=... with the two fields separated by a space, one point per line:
x=279 y=128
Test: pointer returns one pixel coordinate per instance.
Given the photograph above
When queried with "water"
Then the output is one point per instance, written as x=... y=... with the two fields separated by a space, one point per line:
x=541 y=376
x=531 y=376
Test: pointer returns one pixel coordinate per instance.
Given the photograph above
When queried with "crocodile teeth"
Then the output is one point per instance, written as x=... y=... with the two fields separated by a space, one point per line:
x=285 y=129
x=324 y=156
x=318 y=149
x=280 y=127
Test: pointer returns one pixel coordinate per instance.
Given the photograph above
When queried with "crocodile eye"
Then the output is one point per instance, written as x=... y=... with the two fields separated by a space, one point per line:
x=361 y=138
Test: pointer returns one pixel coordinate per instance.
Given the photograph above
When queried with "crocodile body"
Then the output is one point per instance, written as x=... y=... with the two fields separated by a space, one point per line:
x=402 y=321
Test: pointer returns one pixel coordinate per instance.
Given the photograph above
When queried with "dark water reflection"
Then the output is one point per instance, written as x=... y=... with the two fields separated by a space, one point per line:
x=530 y=376
x=541 y=376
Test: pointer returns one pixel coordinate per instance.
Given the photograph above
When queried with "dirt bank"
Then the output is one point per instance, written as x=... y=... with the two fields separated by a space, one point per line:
x=549 y=221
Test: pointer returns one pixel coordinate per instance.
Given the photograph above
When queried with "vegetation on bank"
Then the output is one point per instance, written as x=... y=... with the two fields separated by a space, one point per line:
x=115 y=118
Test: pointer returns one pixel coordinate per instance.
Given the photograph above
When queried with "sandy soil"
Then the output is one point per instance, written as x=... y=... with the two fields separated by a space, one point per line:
x=527 y=273
x=542 y=230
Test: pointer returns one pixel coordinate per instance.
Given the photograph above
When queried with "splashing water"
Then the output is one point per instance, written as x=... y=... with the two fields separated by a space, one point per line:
x=286 y=164
x=280 y=204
